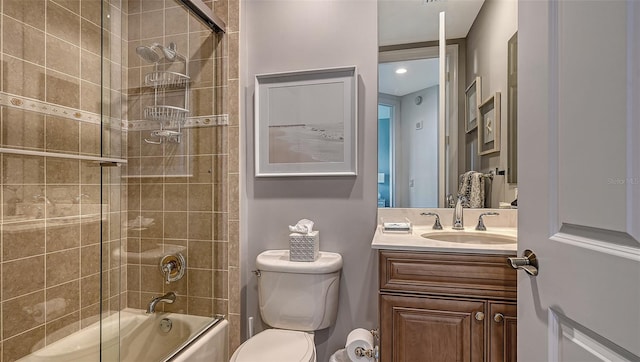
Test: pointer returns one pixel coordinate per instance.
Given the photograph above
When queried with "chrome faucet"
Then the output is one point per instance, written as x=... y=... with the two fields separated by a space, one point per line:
x=481 y=226
x=458 y=214
x=450 y=201
x=167 y=298
x=436 y=224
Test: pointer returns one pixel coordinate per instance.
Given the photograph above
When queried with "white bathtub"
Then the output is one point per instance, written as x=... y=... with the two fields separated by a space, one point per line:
x=136 y=336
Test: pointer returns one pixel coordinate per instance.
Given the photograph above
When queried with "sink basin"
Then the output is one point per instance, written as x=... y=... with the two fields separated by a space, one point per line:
x=471 y=238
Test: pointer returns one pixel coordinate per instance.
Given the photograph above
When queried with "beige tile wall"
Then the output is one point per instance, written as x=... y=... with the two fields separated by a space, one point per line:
x=50 y=260
x=196 y=212
x=233 y=28
x=51 y=52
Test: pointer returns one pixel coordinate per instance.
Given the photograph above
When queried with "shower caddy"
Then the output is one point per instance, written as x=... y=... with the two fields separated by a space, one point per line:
x=171 y=118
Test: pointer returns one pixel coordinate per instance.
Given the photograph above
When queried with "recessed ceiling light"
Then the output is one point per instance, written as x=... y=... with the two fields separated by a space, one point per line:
x=401 y=70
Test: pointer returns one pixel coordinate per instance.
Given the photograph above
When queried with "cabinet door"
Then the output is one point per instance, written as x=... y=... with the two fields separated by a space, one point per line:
x=502 y=332
x=431 y=329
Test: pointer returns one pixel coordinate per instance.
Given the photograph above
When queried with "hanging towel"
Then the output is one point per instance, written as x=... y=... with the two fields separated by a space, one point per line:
x=471 y=186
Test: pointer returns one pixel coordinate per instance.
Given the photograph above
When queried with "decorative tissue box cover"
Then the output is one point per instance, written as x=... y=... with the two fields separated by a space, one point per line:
x=304 y=247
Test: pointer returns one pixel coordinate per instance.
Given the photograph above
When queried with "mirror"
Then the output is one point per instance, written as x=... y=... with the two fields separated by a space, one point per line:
x=410 y=142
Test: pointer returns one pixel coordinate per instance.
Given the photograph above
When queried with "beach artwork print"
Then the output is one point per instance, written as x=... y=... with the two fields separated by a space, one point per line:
x=306 y=123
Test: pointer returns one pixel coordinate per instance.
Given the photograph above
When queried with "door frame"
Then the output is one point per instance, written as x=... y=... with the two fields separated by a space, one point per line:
x=392 y=103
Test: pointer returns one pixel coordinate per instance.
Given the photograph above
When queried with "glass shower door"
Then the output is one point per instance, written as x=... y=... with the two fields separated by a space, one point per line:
x=109 y=160
x=61 y=205
x=113 y=189
x=174 y=246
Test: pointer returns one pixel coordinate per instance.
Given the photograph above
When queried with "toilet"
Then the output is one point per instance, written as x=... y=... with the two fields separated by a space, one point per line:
x=296 y=299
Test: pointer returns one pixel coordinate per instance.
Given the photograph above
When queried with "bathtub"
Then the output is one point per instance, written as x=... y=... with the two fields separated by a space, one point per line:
x=133 y=335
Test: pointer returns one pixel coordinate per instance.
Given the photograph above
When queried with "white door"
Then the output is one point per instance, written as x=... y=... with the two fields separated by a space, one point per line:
x=579 y=200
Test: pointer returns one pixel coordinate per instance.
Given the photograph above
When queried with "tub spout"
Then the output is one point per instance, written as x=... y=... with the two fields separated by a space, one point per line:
x=167 y=298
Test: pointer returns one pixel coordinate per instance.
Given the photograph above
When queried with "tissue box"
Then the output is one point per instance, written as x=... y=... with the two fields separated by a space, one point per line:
x=304 y=247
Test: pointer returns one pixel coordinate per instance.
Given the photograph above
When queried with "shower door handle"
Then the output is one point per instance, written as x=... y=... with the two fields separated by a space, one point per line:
x=110 y=164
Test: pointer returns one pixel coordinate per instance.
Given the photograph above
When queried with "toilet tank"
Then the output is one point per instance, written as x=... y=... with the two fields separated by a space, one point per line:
x=300 y=296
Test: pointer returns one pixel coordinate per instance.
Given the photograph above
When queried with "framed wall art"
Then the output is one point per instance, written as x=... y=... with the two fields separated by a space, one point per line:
x=472 y=99
x=306 y=123
x=489 y=125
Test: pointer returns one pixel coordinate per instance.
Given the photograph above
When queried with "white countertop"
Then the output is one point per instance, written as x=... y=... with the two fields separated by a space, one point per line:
x=415 y=242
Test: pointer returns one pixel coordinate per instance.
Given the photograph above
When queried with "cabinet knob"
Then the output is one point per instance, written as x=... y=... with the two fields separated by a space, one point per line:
x=498 y=317
x=479 y=316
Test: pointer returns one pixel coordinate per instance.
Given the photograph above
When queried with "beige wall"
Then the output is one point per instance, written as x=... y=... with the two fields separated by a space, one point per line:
x=51 y=66
x=51 y=103
x=282 y=36
x=487 y=58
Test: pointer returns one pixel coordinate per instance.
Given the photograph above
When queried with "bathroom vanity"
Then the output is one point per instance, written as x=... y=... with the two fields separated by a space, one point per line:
x=450 y=298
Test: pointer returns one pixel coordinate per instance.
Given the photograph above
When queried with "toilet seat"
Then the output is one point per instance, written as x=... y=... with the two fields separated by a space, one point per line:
x=277 y=345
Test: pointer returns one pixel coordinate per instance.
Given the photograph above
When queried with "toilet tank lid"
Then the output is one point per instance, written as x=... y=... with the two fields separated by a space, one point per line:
x=278 y=261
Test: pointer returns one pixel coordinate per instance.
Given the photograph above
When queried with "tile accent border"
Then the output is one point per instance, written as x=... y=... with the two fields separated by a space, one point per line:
x=191 y=122
x=50 y=109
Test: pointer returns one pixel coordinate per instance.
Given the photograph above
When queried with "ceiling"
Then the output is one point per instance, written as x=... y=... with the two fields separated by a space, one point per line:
x=421 y=73
x=410 y=21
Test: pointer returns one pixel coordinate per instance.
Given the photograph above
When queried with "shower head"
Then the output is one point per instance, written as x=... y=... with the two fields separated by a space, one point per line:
x=170 y=52
x=151 y=55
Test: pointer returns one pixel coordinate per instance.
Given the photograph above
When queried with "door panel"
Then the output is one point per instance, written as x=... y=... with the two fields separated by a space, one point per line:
x=591 y=84
x=574 y=342
x=502 y=321
x=431 y=329
x=579 y=180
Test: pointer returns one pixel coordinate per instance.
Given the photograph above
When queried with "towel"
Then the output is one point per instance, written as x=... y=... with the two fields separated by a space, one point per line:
x=471 y=186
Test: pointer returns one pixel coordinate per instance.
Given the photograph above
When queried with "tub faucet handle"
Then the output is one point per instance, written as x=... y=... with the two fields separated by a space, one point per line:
x=168 y=268
x=172 y=267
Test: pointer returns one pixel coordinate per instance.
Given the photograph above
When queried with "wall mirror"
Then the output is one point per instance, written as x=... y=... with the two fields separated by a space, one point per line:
x=424 y=143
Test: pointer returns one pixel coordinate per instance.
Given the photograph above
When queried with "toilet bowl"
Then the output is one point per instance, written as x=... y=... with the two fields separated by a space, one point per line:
x=277 y=345
x=296 y=299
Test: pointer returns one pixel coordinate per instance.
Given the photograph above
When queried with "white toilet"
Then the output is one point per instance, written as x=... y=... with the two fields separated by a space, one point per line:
x=296 y=298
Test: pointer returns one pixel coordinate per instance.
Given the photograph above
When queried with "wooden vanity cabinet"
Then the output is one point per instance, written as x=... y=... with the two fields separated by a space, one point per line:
x=444 y=307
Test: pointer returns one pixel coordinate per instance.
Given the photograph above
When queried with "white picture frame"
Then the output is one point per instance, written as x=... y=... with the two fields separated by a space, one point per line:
x=306 y=123
x=489 y=125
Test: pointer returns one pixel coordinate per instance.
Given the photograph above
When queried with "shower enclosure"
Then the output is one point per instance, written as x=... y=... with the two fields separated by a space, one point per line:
x=114 y=171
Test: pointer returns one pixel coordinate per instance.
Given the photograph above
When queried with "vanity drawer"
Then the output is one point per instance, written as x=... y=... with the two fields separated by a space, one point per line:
x=456 y=274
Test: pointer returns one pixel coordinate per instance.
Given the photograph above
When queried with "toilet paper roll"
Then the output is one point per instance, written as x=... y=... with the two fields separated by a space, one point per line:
x=358 y=338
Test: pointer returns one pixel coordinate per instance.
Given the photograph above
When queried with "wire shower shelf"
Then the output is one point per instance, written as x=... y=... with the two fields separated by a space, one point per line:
x=166 y=114
x=162 y=80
